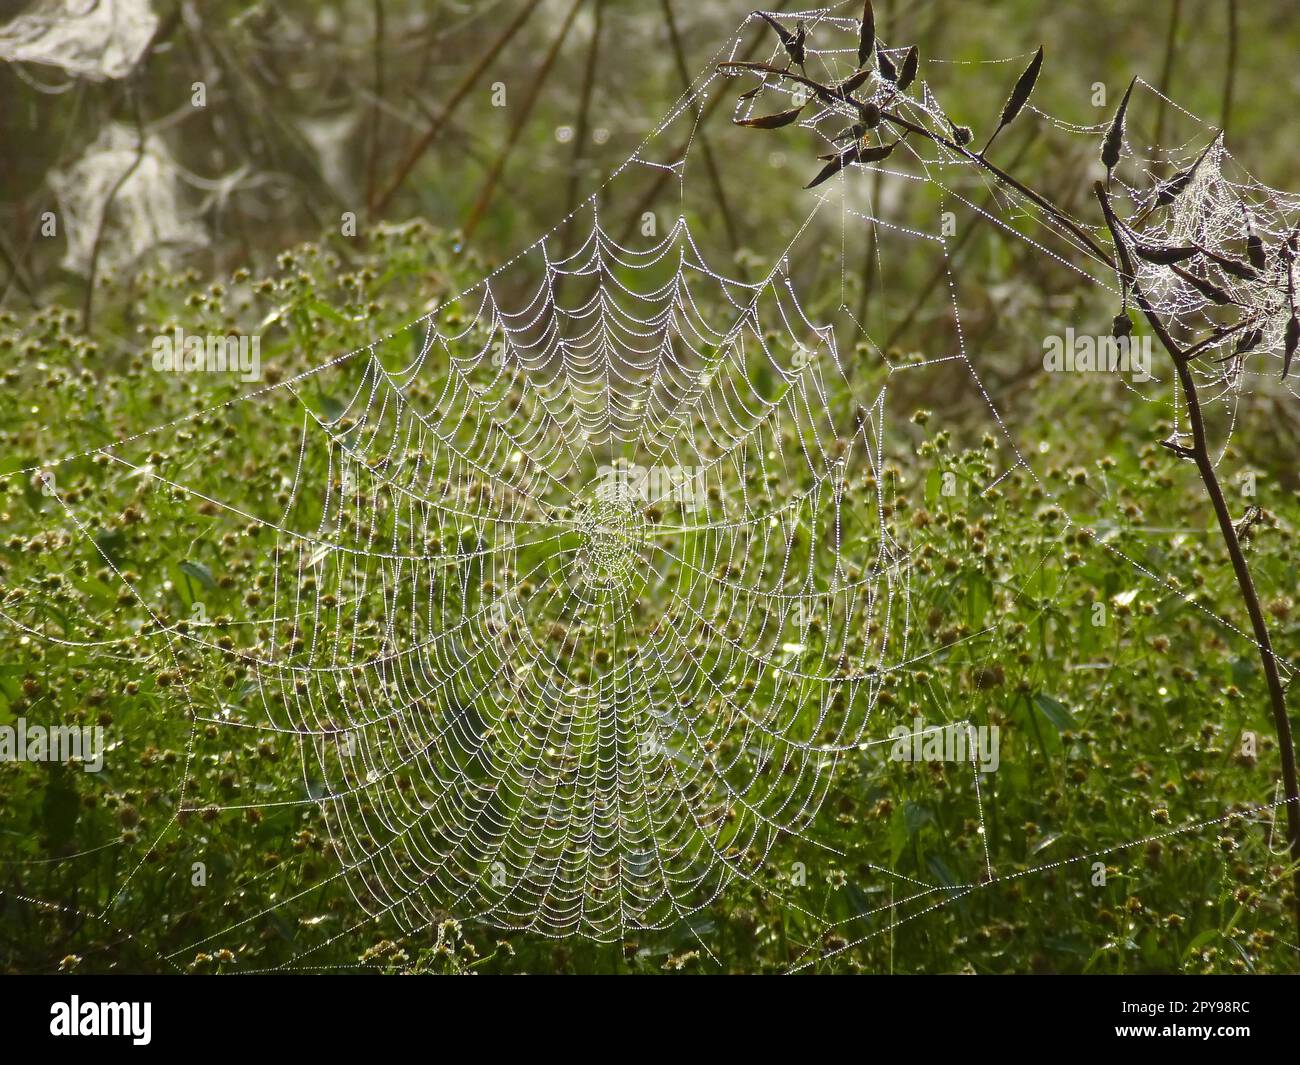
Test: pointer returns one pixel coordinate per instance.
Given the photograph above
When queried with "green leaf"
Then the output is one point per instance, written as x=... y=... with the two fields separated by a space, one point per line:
x=199 y=572
x=908 y=819
x=897 y=835
x=940 y=870
x=326 y=311
x=1206 y=937
x=1243 y=671
x=331 y=409
x=979 y=599
x=111 y=542
x=61 y=807
x=1056 y=712
x=1045 y=842
x=933 y=483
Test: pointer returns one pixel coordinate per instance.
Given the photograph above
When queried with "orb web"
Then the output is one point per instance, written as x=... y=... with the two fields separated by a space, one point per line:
x=597 y=536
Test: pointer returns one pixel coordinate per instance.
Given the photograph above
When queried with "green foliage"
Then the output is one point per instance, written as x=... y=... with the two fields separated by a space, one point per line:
x=1116 y=733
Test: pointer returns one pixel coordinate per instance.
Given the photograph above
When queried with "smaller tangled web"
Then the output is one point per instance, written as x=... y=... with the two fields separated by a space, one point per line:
x=94 y=39
x=1203 y=247
x=147 y=209
x=1214 y=253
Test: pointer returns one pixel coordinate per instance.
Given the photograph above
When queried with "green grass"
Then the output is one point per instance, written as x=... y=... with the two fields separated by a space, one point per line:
x=1115 y=735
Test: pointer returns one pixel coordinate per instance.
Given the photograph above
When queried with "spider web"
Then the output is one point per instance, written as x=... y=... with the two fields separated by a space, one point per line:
x=582 y=718
x=565 y=617
x=1234 y=285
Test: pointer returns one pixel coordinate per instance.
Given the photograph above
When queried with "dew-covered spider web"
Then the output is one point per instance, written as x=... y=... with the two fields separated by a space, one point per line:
x=560 y=606
x=579 y=532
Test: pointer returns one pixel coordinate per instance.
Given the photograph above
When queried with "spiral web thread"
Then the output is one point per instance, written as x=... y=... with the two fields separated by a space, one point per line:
x=557 y=513
x=623 y=793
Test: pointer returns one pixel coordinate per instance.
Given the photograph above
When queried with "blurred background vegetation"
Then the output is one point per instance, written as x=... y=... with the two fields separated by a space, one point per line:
x=385 y=108
x=314 y=113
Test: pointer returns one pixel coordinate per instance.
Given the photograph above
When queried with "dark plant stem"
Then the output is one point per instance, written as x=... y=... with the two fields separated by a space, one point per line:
x=580 y=130
x=373 y=148
x=1057 y=215
x=1230 y=75
x=662 y=176
x=131 y=88
x=1199 y=453
x=1277 y=697
x=710 y=163
x=88 y=300
x=941 y=271
x=15 y=274
x=870 y=263
x=1167 y=68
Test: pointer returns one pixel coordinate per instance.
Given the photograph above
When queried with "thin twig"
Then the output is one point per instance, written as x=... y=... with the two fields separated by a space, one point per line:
x=1167 y=68
x=521 y=119
x=457 y=97
x=710 y=163
x=1230 y=75
x=941 y=270
x=1199 y=453
x=662 y=175
x=131 y=88
x=87 y=303
x=16 y=273
x=376 y=105
x=580 y=130
x=1054 y=212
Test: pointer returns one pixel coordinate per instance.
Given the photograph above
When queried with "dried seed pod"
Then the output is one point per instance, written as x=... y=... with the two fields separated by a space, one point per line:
x=1113 y=145
x=776 y=121
x=1165 y=256
x=1122 y=326
x=1291 y=341
x=911 y=63
x=961 y=135
x=1208 y=289
x=1254 y=246
x=887 y=69
x=1173 y=188
x=1249 y=340
x=869 y=113
x=855 y=154
x=1235 y=268
x=876 y=154
x=837 y=163
x=1024 y=87
x=867 y=35
x=1255 y=251
x=1123 y=260
x=793 y=42
x=797 y=52
x=1019 y=94
x=852 y=83
x=855 y=132
x=864 y=154
x=826 y=95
